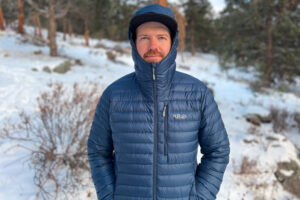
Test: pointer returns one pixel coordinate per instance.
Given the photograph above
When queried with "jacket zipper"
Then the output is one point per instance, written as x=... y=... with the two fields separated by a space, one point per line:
x=165 y=115
x=155 y=132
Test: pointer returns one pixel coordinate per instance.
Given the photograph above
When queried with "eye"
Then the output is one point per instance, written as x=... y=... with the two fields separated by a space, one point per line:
x=144 y=38
x=162 y=37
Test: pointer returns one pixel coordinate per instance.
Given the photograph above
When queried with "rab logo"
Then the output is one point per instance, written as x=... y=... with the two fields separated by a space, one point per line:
x=179 y=116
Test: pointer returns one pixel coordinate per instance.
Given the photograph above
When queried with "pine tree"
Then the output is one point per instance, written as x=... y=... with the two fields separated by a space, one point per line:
x=21 y=17
x=1 y=20
x=101 y=16
x=264 y=34
x=182 y=23
x=108 y=19
x=79 y=14
x=200 y=27
x=123 y=17
x=37 y=25
x=286 y=40
x=51 y=11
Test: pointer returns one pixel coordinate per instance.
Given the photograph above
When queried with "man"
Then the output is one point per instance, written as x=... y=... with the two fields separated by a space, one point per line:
x=148 y=124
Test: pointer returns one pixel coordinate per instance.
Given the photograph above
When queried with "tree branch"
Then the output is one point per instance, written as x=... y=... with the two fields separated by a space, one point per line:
x=64 y=12
x=36 y=7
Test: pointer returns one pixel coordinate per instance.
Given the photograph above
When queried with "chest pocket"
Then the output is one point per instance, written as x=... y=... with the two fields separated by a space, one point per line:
x=181 y=122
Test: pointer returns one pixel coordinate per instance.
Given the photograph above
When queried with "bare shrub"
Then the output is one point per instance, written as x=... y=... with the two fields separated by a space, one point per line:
x=247 y=167
x=121 y=50
x=279 y=118
x=55 y=137
x=100 y=45
x=257 y=86
x=254 y=130
x=297 y=119
x=111 y=56
x=185 y=67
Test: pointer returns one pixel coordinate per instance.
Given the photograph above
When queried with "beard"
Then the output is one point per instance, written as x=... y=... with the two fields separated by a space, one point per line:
x=149 y=54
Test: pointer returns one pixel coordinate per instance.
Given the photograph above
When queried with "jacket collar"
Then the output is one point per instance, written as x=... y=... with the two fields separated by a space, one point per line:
x=164 y=72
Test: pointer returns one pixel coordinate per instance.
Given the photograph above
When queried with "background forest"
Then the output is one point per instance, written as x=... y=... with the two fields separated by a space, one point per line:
x=264 y=34
x=57 y=56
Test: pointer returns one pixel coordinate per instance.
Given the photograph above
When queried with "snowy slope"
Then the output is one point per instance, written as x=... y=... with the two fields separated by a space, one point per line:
x=20 y=85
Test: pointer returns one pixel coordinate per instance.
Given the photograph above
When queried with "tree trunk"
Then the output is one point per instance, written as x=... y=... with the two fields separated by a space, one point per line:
x=181 y=21
x=39 y=26
x=7 y=22
x=86 y=34
x=35 y=24
x=1 y=20
x=192 y=39
x=269 y=49
x=65 y=30
x=52 y=29
x=70 y=30
x=21 y=17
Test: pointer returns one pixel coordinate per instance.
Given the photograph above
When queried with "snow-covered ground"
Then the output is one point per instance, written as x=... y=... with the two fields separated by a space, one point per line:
x=20 y=85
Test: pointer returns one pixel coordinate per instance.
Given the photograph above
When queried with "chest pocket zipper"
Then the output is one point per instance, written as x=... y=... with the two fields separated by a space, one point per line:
x=165 y=115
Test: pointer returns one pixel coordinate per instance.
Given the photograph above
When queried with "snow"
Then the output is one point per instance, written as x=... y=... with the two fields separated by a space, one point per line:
x=287 y=172
x=20 y=85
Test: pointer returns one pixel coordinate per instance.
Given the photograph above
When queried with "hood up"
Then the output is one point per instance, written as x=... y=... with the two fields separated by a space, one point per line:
x=164 y=70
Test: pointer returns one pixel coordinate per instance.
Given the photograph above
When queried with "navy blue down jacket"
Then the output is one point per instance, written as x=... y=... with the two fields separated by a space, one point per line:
x=145 y=134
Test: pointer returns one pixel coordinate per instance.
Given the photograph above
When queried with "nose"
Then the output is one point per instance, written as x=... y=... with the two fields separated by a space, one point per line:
x=153 y=43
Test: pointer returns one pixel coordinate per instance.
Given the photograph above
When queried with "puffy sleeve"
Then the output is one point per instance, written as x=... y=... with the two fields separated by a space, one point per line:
x=101 y=151
x=214 y=143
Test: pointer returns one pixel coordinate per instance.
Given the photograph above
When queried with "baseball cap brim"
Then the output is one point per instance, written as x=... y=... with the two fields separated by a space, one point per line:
x=148 y=17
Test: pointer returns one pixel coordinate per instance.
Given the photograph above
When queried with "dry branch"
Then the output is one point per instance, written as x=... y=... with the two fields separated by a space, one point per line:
x=56 y=137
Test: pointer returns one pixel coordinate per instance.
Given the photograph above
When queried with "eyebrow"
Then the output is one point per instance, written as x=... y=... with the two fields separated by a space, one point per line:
x=138 y=35
x=161 y=34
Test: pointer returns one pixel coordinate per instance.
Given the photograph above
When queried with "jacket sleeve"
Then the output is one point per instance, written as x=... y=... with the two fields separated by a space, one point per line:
x=214 y=143
x=100 y=151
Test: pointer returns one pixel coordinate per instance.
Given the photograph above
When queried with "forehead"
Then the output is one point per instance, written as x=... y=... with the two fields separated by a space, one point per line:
x=152 y=26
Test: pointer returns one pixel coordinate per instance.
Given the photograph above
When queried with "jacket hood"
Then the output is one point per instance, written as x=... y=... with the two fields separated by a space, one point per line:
x=164 y=70
x=154 y=12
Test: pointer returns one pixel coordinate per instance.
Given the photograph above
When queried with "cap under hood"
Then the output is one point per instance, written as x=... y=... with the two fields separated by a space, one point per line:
x=165 y=69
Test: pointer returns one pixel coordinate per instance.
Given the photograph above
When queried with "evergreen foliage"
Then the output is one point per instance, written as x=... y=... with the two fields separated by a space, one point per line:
x=106 y=19
x=200 y=29
x=260 y=33
x=264 y=34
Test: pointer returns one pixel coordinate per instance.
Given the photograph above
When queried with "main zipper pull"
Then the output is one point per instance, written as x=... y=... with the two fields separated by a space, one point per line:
x=164 y=112
x=153 y=72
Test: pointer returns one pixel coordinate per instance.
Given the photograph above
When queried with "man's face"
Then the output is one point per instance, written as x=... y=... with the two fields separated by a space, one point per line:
x=153 y=41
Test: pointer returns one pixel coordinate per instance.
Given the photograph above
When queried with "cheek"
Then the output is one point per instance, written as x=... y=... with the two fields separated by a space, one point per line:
x=141 y=47
x=166 y=48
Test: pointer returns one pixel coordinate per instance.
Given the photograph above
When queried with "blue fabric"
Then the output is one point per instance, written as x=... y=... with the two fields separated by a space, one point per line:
x=145 y=134
x=155 y=8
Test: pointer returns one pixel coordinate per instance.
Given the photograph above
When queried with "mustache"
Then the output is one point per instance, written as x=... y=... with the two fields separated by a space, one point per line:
x=153 y=53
